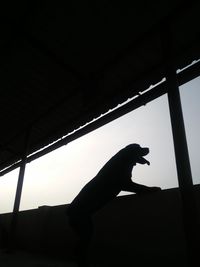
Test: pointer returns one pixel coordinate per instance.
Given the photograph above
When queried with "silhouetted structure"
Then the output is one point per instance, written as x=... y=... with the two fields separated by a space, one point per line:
x=114 y=177
x=3 y=235
x=99 y=62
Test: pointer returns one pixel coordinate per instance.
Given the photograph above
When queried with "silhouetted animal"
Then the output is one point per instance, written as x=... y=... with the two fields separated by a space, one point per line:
x=115 y=176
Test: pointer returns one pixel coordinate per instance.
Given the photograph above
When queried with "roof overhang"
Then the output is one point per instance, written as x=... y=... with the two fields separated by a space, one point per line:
x=65 y=65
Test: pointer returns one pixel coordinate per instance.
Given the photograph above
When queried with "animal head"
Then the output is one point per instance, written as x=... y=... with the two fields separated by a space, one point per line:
x=137 y=153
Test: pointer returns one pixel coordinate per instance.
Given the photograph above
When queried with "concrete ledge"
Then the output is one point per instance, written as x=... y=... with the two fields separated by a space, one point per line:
x=146 y=229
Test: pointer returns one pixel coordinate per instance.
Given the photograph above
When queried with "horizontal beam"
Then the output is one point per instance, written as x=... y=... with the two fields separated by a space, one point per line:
x=184 y=76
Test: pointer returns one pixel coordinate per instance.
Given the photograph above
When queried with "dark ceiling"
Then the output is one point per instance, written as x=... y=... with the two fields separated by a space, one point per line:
x=64 y=63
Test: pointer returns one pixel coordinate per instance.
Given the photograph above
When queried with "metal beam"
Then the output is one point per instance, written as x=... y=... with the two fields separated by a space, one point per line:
x=134 y=104
x=190 y=218
x=189 y=208
x=14 y=220
x=159 y=90
x=183 y=77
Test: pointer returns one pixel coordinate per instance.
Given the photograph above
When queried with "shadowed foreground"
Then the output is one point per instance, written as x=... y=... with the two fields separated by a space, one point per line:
x=132 y=230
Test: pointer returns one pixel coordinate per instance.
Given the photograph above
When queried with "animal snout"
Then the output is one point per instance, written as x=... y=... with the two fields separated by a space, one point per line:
x=145 y=151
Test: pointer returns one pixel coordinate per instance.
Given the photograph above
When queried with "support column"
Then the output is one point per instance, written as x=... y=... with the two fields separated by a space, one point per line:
x=14 y=220
x=189 y=209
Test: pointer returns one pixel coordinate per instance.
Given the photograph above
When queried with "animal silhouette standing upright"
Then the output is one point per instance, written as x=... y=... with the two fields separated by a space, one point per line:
x=114 y=177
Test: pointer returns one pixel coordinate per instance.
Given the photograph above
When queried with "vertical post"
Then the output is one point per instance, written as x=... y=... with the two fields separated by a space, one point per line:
x=189 y=209
x=14 y=219
x=190 y=218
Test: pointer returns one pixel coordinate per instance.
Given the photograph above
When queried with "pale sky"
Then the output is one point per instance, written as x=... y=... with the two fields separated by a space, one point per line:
x=57 y=177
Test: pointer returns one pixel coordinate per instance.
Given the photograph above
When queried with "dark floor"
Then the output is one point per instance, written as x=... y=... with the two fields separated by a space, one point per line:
x=27 y=259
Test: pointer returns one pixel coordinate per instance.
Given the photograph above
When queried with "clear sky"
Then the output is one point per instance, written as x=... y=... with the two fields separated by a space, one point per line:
x=57 y=177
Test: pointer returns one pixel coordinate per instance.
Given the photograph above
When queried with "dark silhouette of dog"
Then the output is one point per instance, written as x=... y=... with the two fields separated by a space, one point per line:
x=114 y=177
